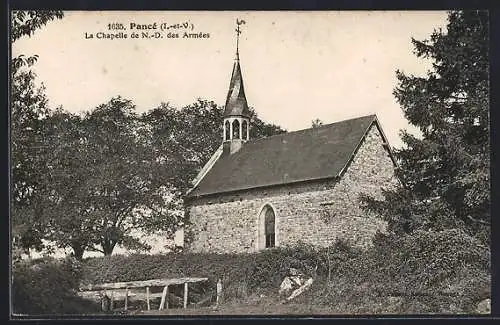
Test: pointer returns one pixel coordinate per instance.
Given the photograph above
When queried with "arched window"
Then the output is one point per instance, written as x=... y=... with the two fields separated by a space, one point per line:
x=244 y=128
x=269 y=227
x=227 y=134
x=266 y=234
x=236 y=129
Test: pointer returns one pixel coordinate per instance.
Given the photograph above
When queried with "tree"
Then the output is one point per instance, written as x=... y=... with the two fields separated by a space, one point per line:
x=182 y=140
x=259 y=128
x=316 y=123
x=29 y=107
x=104 y=181
x=28 y=110
x=185 y=139
x=67 y=203
x=25 y=23
x=445 y=172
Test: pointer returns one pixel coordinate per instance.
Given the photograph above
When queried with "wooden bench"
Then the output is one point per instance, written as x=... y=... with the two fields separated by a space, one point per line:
x=121 y=290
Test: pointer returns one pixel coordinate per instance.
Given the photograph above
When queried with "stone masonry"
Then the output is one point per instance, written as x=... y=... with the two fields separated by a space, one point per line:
x=315 y=212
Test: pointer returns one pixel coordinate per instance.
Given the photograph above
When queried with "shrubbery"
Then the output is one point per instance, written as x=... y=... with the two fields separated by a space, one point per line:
x=424 y=272
x=241 y=274
x=48 y=286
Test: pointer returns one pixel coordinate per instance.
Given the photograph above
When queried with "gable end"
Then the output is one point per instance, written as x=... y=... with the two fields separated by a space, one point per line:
x=384 y=143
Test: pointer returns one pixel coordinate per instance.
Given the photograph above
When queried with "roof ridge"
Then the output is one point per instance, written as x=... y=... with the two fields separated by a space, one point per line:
x=311 y=128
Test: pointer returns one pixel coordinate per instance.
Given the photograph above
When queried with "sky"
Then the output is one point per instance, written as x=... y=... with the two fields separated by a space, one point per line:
x=296 y=66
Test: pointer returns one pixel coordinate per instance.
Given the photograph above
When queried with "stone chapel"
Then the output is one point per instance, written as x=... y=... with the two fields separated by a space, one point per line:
x=301 y=186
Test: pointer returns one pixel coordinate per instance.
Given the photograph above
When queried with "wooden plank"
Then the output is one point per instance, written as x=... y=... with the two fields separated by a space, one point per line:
x=147 y=298
x=142 y=284
x=94 y=295
x=219 y=291
x=163 y=297
x=185 y=294
x=126 y=300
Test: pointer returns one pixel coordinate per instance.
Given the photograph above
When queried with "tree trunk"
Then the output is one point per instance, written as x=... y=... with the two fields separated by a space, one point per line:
x=78 y=251
x=108 y=247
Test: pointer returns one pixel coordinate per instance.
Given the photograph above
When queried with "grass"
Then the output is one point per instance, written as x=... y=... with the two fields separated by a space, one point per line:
x=242 y=309
x=251 y=306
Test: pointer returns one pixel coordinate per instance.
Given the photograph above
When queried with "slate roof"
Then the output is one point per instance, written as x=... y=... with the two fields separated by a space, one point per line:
x=309 y=154
x=236 y=102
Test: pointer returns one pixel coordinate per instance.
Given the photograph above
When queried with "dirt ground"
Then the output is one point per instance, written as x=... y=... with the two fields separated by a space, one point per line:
x=257 y=306
x=234 y=309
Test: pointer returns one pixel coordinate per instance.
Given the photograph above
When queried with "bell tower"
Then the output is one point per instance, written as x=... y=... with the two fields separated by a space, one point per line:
x=236 y=113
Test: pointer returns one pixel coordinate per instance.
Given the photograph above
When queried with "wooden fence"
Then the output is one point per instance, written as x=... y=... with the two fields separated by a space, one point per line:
x=122 y=291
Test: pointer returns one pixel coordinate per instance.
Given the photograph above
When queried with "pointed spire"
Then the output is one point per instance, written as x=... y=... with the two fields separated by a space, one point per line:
x=236 y=102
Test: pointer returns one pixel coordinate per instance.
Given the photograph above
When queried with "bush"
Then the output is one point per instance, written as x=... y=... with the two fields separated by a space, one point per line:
x=426 y=272
x=242 y=274
x=48 y=286
x=424 y=260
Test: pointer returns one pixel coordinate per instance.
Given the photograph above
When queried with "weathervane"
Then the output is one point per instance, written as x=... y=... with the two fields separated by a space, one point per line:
x=238 y=32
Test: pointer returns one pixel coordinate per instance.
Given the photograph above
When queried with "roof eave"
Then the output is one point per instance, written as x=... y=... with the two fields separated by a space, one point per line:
x=206 y=168
x=386 y=142
x=226 y=192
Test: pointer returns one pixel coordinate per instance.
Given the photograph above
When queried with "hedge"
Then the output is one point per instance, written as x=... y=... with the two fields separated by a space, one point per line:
x=426 y=272
x=240 y=273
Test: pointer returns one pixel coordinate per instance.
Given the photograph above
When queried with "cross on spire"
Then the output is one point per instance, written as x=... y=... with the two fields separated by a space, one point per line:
x=238 y=32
